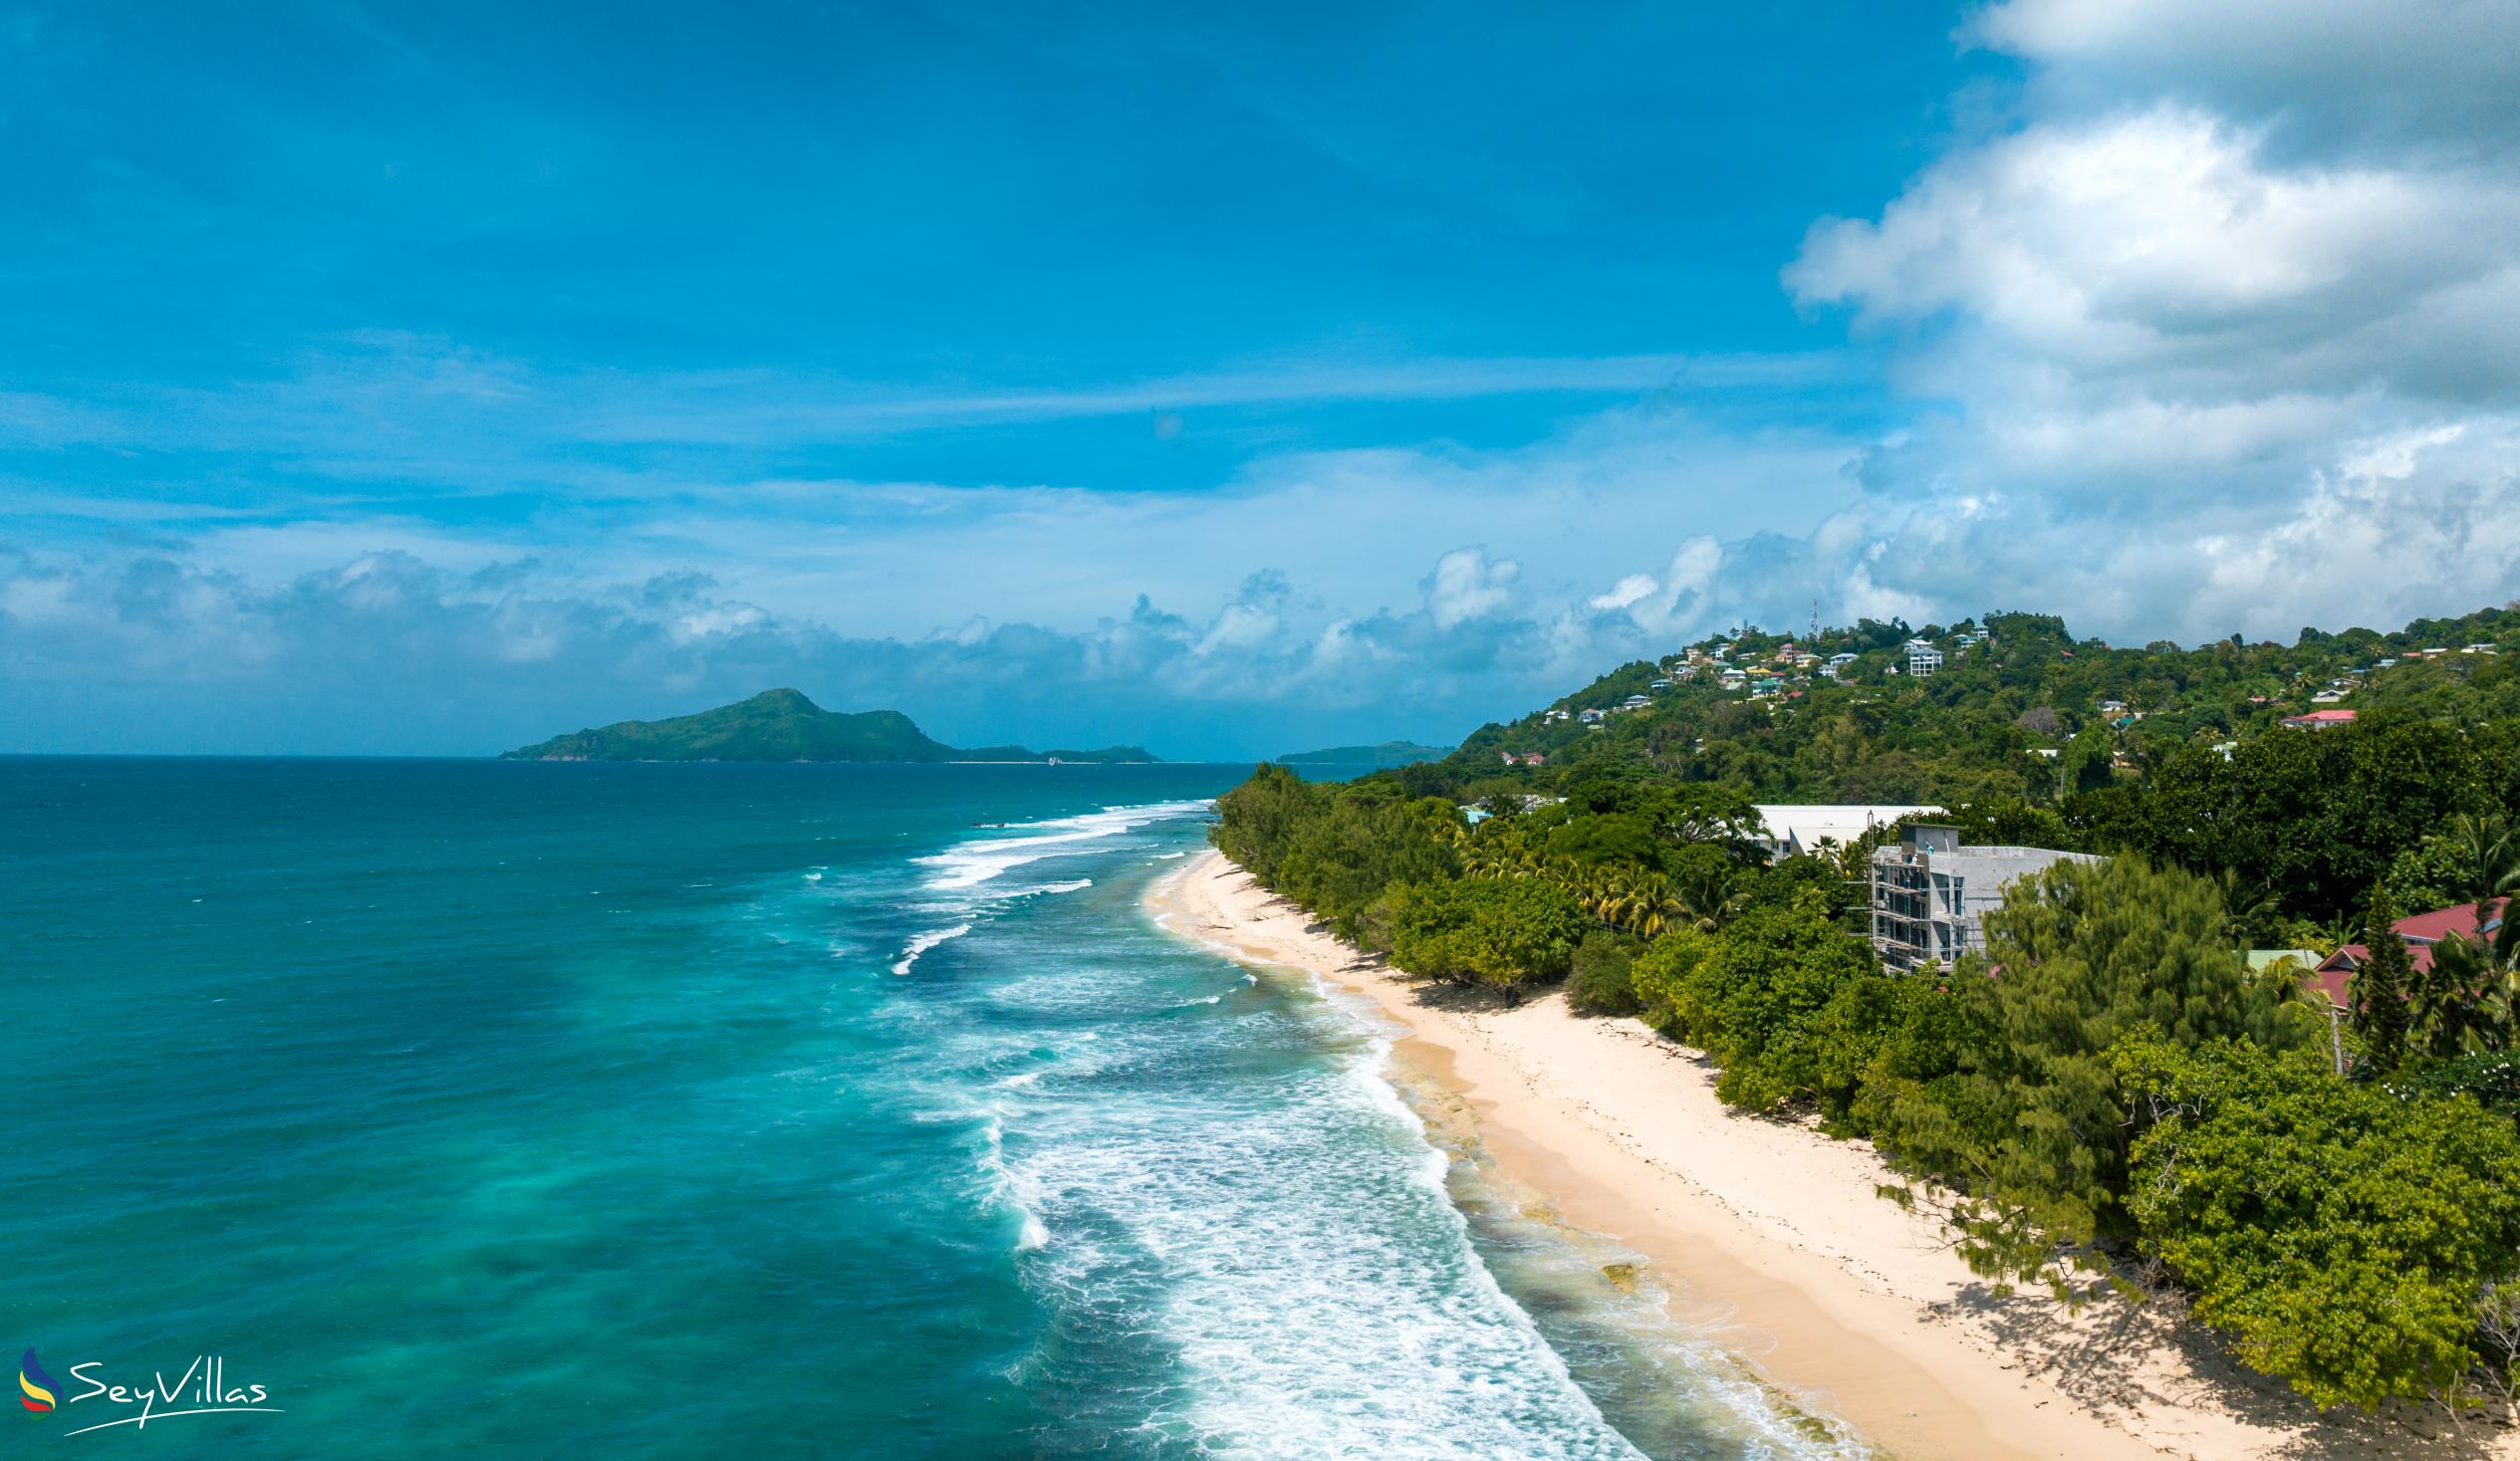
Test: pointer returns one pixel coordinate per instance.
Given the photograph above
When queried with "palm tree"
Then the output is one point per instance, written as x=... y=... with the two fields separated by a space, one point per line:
x=2462 y=1003
x=1498 y=857
x=2247 y=908
x=2488 y=874
x=1642 y=904
x=1705 y=896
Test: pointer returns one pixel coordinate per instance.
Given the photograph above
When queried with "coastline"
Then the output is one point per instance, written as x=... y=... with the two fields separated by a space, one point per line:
x=1775 y=1233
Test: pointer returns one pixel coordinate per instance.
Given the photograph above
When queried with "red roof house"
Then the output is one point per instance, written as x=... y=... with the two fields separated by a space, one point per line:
x=2320 y=720
x=2420 y=931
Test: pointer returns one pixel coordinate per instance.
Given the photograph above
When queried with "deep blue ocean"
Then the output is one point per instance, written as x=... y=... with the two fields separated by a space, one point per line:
x=492 y=1110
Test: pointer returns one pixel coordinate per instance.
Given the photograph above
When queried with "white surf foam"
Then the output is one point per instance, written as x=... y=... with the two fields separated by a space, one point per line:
x=922 y=943
x=970 y=864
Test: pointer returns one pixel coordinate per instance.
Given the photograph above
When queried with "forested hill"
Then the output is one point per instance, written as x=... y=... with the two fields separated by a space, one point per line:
x=783 y=725
x=1386 y=754
x=2017 y=709
x=2139 y=1095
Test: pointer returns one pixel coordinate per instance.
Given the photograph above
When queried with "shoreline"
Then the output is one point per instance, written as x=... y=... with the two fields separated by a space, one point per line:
x=1773 y=1233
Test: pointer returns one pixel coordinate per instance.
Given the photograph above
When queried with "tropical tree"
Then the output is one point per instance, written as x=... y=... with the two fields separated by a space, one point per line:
x=1501 y=935
x=2377 y=993
x=2486 y=864
x=1641 y=904
x=2031 y=1128
x=1705 y=894
x=2350 y=1238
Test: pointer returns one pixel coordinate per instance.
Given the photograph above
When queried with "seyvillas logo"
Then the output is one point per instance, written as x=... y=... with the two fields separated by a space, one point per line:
x=202 y=1389
x=35 y=1385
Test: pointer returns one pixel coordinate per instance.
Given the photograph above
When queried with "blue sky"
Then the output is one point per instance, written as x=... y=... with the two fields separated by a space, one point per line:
x=426 y=379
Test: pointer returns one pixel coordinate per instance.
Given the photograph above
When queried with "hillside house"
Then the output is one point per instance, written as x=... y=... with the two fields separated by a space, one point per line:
x=1922 y=658
x=2320 y=720
x=2421 y=931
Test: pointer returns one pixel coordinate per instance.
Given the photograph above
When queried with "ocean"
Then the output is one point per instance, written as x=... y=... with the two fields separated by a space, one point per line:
x=480 y=1108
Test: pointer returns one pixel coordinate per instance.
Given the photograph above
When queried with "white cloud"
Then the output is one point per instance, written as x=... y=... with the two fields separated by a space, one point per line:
x=1467 y=585
x=2202 y=352
x=2438 y=74
x=2164 y=242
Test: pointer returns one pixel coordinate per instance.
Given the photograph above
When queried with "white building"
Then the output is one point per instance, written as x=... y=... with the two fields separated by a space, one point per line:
x=1837 y=666
x=1794 y=829
x=1931 y=895
x=1922 y=658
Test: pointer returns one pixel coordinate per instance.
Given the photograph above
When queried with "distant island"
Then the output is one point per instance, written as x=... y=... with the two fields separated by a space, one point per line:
x=783 y=725
x=1384 y=757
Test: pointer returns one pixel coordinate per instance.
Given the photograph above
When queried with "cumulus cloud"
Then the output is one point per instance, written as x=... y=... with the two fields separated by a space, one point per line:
x=2199 y=352
x=2339 y=74
x=2163 y=248
x=390 y=652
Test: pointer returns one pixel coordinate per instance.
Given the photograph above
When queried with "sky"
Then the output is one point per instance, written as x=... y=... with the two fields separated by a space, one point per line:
x=1229 y=379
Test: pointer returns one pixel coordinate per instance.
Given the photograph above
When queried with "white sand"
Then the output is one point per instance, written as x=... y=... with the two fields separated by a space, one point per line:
x=1842 y=1297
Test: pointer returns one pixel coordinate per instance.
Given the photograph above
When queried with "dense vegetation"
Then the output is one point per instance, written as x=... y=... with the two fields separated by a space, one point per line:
x=2109 y=1095
x=783 y=725
x=1973 y=728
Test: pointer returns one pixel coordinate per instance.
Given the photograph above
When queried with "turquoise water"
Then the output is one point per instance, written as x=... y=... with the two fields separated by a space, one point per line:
x=492 y=1110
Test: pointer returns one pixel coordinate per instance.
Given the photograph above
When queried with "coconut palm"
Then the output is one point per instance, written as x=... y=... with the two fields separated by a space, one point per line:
x=1705 y=896
x=1643 y=903
x=2488 y=865
x=2247 y=908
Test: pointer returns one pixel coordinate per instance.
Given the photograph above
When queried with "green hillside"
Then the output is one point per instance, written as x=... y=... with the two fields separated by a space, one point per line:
x=2017 y=709
x=1380 y=756
x=783 y=725
x=2134 y=1101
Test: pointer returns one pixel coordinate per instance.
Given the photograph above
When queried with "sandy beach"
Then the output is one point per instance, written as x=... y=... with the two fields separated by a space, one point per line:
x=1847 y=1301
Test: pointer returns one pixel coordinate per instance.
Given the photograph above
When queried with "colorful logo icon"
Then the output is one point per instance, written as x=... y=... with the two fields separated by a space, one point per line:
x=35 y=1383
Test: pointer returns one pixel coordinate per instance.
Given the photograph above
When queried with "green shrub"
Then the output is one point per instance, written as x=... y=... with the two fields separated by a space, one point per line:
x=1600 y=982
x=1502 y=935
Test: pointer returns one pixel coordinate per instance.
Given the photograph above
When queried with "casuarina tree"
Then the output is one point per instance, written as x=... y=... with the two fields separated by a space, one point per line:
x=2378 y=994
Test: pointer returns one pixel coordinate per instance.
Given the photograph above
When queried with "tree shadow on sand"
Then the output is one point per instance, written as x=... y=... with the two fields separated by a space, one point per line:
x=2093 y=1358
